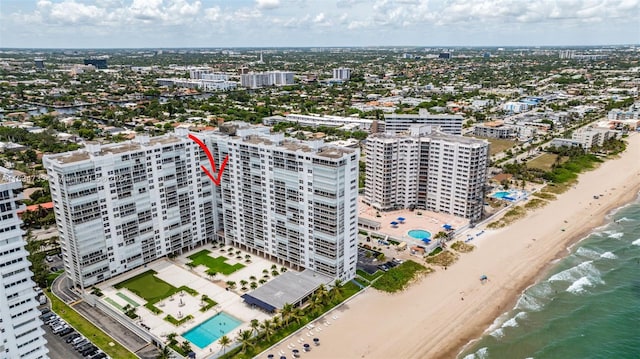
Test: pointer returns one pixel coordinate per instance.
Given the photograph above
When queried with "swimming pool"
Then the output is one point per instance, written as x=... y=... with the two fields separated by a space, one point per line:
x=419 y=234
x=502 y=194
x=212 y=329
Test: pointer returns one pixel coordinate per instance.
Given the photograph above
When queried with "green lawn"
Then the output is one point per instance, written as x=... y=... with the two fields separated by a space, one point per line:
x=397 y=278
x=545 y=161
x=369 y=277
x=216 y=264
x=152 y=289
x=86 y=328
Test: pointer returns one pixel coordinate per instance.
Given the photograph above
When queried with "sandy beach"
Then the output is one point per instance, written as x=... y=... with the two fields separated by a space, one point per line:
x=438 y=316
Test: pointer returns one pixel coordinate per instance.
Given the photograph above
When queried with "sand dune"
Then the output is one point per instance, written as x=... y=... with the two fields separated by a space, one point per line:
x=431 y=319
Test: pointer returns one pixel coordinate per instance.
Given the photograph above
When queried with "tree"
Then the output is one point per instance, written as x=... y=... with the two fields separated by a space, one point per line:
x=336 y=292
x=286 y=311
x=224 y=342
x=244 y=338
x=186 y=347
x=267 y=328
x=211 y=273
x=165 y=353
x=231 y=284
x=255 y=325
x=171 y=338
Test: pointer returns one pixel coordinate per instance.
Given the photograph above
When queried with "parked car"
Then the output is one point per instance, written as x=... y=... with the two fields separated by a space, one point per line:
x=100 y=355
x=71 y=337
x=78 y=339
x=79 y=344
x=59 y=329
x=65 y=331
x=84 y=347
x=52 y=318
x=89 y=351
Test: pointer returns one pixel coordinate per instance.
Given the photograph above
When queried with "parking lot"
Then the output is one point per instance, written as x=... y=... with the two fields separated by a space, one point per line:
x=64 y=342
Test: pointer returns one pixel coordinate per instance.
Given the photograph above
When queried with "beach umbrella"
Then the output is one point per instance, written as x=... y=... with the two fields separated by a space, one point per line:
x=296 y=353
x=270 y=356
x=316 y=341
x=394 y=223
x=307 y=347
x=283 y=357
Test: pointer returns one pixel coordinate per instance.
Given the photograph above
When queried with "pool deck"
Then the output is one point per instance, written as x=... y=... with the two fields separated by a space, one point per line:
x=182 y=304
x=428 y=221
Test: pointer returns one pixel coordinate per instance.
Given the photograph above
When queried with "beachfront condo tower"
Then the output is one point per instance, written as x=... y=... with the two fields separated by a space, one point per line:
x=120 y=206
x=21 y=335
x=426 y=169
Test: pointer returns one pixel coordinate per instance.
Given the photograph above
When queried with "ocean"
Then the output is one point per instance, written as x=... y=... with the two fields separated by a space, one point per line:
x=588 y=306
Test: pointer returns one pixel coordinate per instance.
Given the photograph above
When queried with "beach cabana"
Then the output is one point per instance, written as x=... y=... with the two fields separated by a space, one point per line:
x=448 y=227
x=401 y=219
x=394 y=224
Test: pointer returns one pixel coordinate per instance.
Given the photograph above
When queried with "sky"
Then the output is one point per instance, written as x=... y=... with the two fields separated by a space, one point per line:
x=316 y=23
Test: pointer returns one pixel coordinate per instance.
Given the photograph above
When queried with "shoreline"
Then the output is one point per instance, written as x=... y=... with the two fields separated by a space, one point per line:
x=607 y=219
x=442 y=315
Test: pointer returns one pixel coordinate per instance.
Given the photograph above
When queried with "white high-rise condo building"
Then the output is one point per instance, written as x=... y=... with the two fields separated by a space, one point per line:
x=342 y=73
x=20 y=333
x=398 y=123
x=428 y=170
x=270 y=78
x=119 y=206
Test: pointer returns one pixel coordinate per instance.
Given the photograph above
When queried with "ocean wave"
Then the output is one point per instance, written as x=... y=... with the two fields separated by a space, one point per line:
x=513 y=322
x=498 y=333
x=636 y=242
x=482 y=353
x=588 y=253
x=584 y=269
x=608 y=255
x=616 y=235
x=580 y=285
x=528 y=303
x=625 y=219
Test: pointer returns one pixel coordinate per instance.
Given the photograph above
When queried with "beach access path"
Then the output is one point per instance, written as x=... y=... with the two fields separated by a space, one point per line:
x=438 y=316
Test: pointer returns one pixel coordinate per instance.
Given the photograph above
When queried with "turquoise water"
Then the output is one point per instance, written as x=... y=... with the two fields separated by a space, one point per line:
x=501 y=194
x=419 y=234
x=587 y=307
x=212 y=329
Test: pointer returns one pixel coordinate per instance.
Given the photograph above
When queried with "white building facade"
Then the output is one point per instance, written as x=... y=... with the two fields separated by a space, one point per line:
x=21 y=335
x=428 y=170
x=263 y=79
x=122 y=205
x=342 y=73
x=398 y=123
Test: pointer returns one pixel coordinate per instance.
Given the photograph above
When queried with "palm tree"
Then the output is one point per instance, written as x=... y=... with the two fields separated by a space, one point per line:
x=244 y=337
x=277 y=321
x=255 y=325
x=211 y=273
x=171 y=338
x=224 y=342
x=231 y=284
x=267 y=328
x=321 y=293
x=336 y=291
x=297 y=314
x=164 y=354
x=186 y=347
x=254 y=285
x=283 y=269
x=252 y=278
x=243 y=283
x=286 y=311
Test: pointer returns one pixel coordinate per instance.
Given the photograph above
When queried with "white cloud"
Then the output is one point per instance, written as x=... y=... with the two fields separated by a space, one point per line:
x=267 y=4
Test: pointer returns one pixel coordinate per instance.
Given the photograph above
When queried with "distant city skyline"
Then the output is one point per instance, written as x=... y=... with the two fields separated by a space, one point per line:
x=309 y=23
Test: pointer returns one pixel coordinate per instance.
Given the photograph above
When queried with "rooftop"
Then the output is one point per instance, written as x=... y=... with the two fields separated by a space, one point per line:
x=289 y=287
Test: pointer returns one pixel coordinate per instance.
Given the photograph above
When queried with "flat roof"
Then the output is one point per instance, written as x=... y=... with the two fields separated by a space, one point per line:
x=289 y=287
